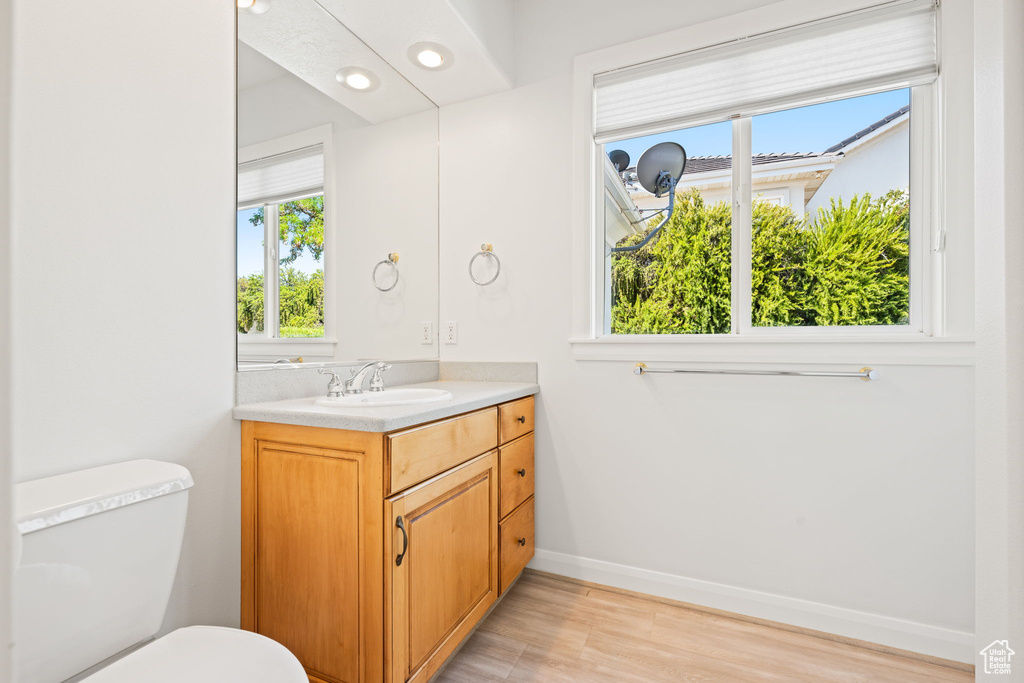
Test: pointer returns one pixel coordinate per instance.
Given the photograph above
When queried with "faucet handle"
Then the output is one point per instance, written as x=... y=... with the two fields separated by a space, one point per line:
x=376 y=381
x=334 y=387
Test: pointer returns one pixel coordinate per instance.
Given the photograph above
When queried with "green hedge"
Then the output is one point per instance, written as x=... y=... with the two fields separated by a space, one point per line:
x=847 y=265
x=301 y=299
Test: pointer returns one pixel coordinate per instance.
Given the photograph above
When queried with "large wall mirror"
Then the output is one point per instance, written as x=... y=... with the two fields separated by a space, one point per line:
x=337 y=223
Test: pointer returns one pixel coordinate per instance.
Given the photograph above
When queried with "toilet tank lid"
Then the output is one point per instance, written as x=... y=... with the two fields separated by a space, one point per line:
x=63 y=498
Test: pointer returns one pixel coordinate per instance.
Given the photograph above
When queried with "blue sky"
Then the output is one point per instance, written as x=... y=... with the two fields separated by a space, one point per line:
x=250 y=248
x=807 y=129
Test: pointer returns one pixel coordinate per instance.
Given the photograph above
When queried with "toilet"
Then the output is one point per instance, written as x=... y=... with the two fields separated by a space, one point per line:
x=99 y=551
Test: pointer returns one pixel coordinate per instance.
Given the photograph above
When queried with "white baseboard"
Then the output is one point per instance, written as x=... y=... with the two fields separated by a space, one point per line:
x=898 y=633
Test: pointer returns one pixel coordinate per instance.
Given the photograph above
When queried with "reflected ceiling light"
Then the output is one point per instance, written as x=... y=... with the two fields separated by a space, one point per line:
x=253 y=6
x=431 y=56
x=356 y=78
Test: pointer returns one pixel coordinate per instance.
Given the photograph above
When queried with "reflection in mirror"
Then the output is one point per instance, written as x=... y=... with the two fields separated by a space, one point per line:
x=337 y=169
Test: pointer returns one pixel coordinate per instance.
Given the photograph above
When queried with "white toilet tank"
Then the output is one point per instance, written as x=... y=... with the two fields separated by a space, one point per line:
x=99 y=552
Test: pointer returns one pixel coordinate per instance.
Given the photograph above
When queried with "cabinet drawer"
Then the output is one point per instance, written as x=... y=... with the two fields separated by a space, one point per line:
x=515 y=543
x=515 y=419
x=419 y=453
x=515 y=473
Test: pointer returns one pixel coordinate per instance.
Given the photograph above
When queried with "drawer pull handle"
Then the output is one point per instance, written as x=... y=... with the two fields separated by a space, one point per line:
x=522 y=473
x=522 y=419
x=400 y=523
x=522 y=541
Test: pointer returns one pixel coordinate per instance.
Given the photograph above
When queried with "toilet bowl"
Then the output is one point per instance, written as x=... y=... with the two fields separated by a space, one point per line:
x=99 y=551
x=205 y=654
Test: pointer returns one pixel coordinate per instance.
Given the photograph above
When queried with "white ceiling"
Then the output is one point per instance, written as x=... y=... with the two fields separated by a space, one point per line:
x=477 y=32
x=301 y=37
x=255 y=69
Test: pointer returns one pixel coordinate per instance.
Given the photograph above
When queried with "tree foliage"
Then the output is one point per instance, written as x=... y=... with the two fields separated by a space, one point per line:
x=300 y=295
x=301 y=225
x=847 y=265
x=301 y=300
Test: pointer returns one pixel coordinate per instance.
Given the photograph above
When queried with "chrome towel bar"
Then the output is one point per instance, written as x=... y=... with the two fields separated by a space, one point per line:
x=866 y=374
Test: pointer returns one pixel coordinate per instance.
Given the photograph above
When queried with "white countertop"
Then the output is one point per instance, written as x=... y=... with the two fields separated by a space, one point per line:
x=466 y=396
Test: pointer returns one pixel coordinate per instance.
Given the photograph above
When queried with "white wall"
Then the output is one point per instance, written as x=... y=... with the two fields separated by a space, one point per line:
x=827 y=503
x=287 y=105
x=5 y=357
x=123 y=156
x=385 y=200
x=875 y=167
x=999 y=207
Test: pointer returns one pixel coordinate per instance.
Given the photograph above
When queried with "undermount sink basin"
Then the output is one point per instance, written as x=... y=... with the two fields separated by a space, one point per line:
x=389 y=397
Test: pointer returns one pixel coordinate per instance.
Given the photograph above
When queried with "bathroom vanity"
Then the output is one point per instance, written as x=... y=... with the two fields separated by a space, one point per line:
x=373 y=543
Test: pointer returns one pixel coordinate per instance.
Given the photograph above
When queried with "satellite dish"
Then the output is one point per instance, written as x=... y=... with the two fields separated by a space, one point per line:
x=619 y=159
x=659 y=166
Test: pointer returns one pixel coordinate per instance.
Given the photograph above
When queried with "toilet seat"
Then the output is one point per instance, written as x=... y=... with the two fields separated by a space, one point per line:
x=206 y=654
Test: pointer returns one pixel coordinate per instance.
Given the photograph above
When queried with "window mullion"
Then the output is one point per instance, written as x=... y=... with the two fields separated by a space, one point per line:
x=741 y=226
x=271 y=272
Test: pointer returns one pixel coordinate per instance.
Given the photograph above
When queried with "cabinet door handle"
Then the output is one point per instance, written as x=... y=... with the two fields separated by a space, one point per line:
x=522 y=473
x=522 y=419
x=522 y=541
x=400 y=523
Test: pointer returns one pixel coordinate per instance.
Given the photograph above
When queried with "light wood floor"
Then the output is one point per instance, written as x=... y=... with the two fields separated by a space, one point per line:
x=550 y=630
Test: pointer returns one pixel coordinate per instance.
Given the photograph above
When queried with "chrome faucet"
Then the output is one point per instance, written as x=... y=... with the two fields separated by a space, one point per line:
x=354 y=384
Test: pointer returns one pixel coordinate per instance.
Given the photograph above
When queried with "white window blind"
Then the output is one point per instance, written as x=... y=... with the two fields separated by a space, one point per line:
x=885 y=47
x=281 y=177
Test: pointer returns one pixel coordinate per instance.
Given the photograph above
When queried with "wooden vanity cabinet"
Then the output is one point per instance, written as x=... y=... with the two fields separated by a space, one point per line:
x=372 y=556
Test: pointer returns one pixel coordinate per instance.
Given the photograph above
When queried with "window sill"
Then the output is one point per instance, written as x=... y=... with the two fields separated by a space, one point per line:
x=258 y=348
x=859 y=350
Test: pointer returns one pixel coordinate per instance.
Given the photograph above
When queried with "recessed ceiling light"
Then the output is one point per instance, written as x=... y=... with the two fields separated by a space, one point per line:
x=430 y=59
x=357 y=81
x=431 y=56
x=253 y=6
x=356 y=78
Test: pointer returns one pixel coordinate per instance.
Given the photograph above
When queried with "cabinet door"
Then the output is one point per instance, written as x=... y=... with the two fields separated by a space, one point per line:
x=443 y=565
x=312 y=574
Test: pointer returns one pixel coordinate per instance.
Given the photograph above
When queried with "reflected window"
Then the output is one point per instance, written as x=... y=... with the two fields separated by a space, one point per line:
x=280 y=238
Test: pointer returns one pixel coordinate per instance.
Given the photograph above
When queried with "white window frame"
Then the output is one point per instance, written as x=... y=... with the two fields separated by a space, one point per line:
x=923 y=342
x=263 y=347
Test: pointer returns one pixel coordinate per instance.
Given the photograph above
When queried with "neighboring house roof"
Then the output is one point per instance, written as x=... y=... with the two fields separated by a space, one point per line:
x=771 y=170
x=869 y=130
x=724 y=163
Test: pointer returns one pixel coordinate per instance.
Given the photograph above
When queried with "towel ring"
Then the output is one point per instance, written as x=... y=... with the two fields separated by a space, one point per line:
x=485 y=250
x=391 y=260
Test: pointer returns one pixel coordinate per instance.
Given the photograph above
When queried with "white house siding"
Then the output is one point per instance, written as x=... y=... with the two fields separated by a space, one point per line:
x=875 y=166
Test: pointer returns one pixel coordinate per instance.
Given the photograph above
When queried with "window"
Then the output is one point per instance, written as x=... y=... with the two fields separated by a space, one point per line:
x=281 y=242
x=804 y=206
x=829 y=236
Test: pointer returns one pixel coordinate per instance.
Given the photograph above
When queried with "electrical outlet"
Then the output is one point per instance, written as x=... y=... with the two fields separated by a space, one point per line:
x=427 y=335
x=451 y=332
